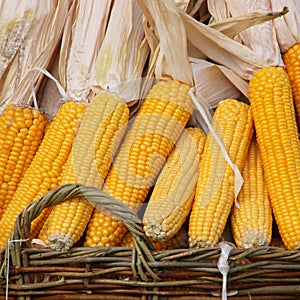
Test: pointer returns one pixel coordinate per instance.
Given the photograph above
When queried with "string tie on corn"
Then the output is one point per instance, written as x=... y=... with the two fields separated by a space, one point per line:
x=238 y=178
x=61 y=90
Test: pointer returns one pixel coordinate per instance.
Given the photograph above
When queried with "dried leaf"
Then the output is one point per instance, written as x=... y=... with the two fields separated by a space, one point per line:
x=83 y=35
x=172 y=59
x=265 y=43
x=123 y=53
x=288 y=27
x=235 y=25
x=218 y=10
x=183 y=4
x=29 y=34
x=222 y=49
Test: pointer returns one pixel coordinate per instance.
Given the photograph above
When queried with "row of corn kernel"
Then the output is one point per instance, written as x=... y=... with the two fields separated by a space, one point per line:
x=215 y=189
x=51 y=152
x=97 y=139
x=272 y=185
x=159 y=123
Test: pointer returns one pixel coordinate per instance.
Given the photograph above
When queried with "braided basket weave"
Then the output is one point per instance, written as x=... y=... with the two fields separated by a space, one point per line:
x=138 y=272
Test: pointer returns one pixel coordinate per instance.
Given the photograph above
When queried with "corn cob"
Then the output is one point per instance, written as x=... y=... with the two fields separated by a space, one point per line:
x=21 y=132
x=271 y=101
x=291 y=60
x=173 y=194
x=98 y=136
x=38 y=222
x=44 y=170
x=156 y=128
x=214 y=196
x=251 y=223
x=178 y=241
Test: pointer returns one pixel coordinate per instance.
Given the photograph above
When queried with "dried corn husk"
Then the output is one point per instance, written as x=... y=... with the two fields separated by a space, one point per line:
x=264 y=44
x=121 y=59
x=232 y=26
x=182 y=4
x=29 y=34
x=222 y=49
x=288 y=27
x=172 y=62
x=218 y=10
x=215 y=82
x=82 y=38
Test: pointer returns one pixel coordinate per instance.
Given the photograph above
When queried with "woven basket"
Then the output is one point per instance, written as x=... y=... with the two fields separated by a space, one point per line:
x=138 y=272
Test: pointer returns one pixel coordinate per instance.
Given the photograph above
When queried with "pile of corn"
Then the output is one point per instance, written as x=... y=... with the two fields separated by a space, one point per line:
x=158 y=159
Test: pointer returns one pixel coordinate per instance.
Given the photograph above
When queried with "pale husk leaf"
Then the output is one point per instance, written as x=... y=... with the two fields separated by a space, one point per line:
x=222 y=49
x=123 y=53
x=199 y=8
x=183 y=4
x=30 y=32
x=172 y=61
x=232 y=26
x=215 y=82
x=218 y=10
x=82 y=39
x=265 y=43
x=288 y=27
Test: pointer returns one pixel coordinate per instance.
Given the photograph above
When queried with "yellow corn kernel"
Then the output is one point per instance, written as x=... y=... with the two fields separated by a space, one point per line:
x=291 y=60
x=98 y=136
x=21 y=132
x=151 y=138
x=38 y=222
x=173 y=194
x=272 y=107
x=41 y=176
x=214 y=196
x=251 y=223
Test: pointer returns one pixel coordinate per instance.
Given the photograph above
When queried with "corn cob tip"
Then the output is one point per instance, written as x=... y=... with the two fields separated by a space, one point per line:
x=155 y=231
x=197 y=244
x=61 y=241
x=254 y=238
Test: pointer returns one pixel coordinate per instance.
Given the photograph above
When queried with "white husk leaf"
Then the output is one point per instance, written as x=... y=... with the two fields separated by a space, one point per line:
x=232 y=26
x=83 y=35
x=218 y=10
x=215 y=83
x=172 y=61
x=29 y=34
x=222 y=49
x=265 y=43
x=182 y=4
x=288 y=27
x=123 y=53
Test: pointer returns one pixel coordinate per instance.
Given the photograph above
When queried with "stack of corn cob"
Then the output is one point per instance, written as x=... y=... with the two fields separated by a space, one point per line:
x=176 y=171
